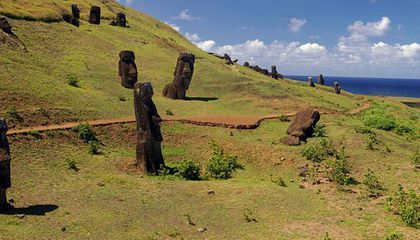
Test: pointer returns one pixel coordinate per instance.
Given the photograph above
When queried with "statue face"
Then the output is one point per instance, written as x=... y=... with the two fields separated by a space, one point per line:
x=121 y=19
x=128 y=69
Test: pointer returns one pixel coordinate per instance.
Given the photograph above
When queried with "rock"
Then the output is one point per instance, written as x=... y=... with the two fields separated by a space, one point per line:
x=283 y=159
x=183 y=74
x=302 y=127
x=310 y=82
x=211 y=192
x=321 y=80
x=337 y=88
x=95 y=15
x=203 y=229
x=20 y=216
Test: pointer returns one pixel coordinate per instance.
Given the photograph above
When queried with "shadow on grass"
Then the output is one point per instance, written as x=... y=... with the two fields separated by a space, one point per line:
x=35 y=210
x=203 y=99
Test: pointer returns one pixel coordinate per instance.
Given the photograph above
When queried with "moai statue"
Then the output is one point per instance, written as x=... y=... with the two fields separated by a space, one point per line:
x=121 y=20
x=95 y=15
x=246 y=64
x=337 y=88
x=182 y=77
x=228 y=60
x=265 y=71
x=127 y=69
x=149 y=156
x=75 y=15
x=5 y=181
x=5 y=25
x=302 y=127
x=310 y=82
x=321 y=80
x=274 y=73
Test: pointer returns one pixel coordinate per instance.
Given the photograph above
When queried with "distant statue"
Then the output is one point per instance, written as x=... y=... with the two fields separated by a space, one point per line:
x=149 y=156
x=5 y=25
x=5 y=181
x=310 y=82
x=75 y=15
x=265 y=72
x=274 y=73
x=182 y=77
x=127 y=69
x=321 y=80
x=228 y=59
x=95 y=15
x=121 y=20
x=246 y=64
x=337 y=88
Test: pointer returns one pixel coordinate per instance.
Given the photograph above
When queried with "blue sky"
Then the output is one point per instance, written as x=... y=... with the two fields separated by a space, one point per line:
x=372 y=38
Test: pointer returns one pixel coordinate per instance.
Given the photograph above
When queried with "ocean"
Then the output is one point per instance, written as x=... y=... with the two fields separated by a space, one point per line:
x=372 y=86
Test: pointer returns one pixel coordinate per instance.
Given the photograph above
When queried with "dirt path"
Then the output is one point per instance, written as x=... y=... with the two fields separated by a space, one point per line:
x=364 y=106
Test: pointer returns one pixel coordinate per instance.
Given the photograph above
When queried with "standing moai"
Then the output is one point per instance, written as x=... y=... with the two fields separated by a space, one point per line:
x=127 y=69
x=75 y=15
x=274 y=73
x=228 y=60
x=310 y=82
x=5 y=181
x=5 y=25
x=121 y=20
x=149 y=156
x=182 y=77
x=337 y=88
x=321 y=80
x=95 y=15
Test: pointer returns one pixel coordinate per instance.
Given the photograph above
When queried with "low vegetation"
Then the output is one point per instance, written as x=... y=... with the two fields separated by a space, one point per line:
x=222 y=165
x=371 y=181
x=406 y=203
x=187 y=169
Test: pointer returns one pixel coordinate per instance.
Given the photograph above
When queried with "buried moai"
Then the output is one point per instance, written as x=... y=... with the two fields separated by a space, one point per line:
x=5 y=25
x=121 y=20
x=75 y=15
x=310 y=82
x=321 y=80
x=337 y=88
x=182 y=77
x=5 y=181
x=127 y=69
x=274 y=73
x=302 y=127
x=95 y=15
x=149 y=158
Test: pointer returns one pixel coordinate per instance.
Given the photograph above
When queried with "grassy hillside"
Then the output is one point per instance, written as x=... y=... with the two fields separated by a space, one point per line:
x=38 y=78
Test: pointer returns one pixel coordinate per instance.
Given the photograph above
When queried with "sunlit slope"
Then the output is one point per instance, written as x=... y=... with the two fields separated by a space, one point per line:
x=38 y=78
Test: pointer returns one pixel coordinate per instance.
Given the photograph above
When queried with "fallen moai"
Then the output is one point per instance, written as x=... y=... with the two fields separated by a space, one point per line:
x=182 y=77
x=127 y=69
x=302 y=127
x=5 y=25
x=95 y=15
x=5 y=181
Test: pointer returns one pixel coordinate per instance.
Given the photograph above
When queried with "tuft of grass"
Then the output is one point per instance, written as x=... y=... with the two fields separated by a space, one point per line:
x=72 y=165
x=94 y=147
x=327 y=236
x=372 y=184
x=249 y=216
x=85 y=132
x=415 y=157
x=319 y=131
x=73 y=81
x=394 y=236
x=35 y=134
x=169 y=112
x=278 y=181
x=319 y=152
x=122 y=99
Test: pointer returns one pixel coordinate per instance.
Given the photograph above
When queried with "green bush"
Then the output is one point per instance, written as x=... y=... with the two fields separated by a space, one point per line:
x=222 y=165
x=72 y=165
x=407 y=205
x=364 y=130
x=187 y=169
x=94 y=147
x=73 y=81
x=319 y=152
x=284 y=118
x=319 y=131
x=372 y=183
x=379 y=122
x=403 y=128
x=85 y=132
x=394 y=236
x=337 y=169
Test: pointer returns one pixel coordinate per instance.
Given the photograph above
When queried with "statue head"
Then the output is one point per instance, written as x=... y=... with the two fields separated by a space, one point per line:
x=121 y=20
x=185 y=69
x=128 y=69
x=3 y=126
x=75 y=11
x=95 y=15
x=147 y=90
x=5 y=26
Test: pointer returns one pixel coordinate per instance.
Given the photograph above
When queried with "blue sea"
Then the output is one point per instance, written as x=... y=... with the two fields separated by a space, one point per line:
x=372 y=86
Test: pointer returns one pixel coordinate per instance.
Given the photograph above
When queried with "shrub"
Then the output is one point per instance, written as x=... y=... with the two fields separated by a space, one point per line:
x=379 y=122
x=337 y=169
x=407 y=205
x=169 y=113
x=221 y=165
x=319 y=131
x=94 y=147
x=372 y=183
x=72 y=165
x=402 y=128
x=284 y=118
x=73 y=81
x=319 y=152
x=14 y=114
x=85 y=132
x=394 y=236
x=187 y=169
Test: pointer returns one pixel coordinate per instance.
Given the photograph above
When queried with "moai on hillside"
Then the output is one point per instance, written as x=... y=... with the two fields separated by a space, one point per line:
x=121 y=20
x=182 y=77
x=228 y=60
x=127 y=69
x=95 y=15
x=321 y=80
x=310 y=82
x=5 y=25
x=149 y=158
x=274 y=73
x=337 y=88
x=265 y=72
x=302 y=127
x=75 y=15
x=246 y=64
x=5 y=181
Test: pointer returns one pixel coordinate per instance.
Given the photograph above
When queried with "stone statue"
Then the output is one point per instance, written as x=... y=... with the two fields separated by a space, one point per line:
x=95 y=15
x=310 y=82
x=321 y=80
x=182 y=77
x=75 y=15
x=246 y=64
x=337 y=88
x=302 y=127
x=149 y=137
x=127 y=69
x=274 y=73
x=228 y=60
x=5 y=181
x=121 y=20
x=5 y=25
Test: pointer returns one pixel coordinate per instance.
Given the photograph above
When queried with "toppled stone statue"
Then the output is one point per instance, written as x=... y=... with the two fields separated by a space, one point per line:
x=7 y=28
x=5 y=181
x=228 y=60
x=149 y=156
x=274 y=73
x=5 y=25
x=182 y=77
x=95 y=15
x=310 y=82
x=321 y=80
x=302 y=127
x=75 y=15
x=246 y=64
x=337 y=88
x=127 y=69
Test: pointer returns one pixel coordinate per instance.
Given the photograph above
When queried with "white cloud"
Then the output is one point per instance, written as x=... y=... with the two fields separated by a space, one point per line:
x=206 y=45
x=184 y=15
x=127 y=2
x=312 y=48
x=410 y=50
x=174 y=26
x=379 y=28
x=295 y=24
x=193 y=37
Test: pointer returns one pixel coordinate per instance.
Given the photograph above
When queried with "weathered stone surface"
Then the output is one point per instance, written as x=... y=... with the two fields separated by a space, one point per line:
x=310 y=82
x=274 y=73
x=121 y=20
x=5 y=25
x=149 y=157
x=95 y=15
x=75 y=15
x=302 y=127
x=182 y=77
x=337 y=88
x=5 y=181
x=321 y=80
x=228 y=60
x=127 y=69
